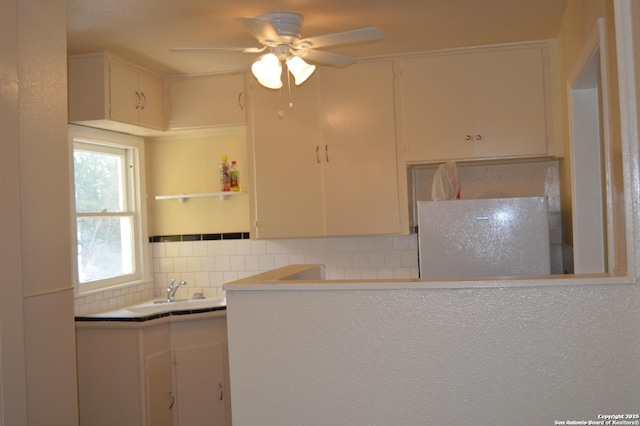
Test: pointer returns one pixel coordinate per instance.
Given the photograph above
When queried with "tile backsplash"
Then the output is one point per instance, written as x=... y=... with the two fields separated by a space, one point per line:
x=207 y=264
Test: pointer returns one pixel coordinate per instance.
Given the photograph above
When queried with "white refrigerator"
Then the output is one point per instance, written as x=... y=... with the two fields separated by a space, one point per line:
x=483 y=238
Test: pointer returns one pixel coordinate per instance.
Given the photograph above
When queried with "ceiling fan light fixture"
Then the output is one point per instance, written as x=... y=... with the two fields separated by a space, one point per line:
x=268 y=70
x=300 y=69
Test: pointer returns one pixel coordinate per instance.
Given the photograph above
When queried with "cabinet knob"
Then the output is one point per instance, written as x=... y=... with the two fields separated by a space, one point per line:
x=478 y=137
x=467 y=138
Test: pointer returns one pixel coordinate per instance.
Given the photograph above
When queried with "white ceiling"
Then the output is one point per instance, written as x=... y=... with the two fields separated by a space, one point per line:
x=142 y=31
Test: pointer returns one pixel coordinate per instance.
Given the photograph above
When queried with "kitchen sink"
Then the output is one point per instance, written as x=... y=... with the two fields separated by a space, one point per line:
x=161 y=305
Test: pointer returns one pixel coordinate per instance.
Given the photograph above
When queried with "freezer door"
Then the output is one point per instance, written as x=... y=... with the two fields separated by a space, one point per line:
x=483 y=238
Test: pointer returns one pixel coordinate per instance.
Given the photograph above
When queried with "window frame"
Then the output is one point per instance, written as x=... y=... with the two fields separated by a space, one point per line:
x=135 y=205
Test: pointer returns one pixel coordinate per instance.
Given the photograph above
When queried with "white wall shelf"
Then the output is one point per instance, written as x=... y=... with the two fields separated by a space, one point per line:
x=184 y=197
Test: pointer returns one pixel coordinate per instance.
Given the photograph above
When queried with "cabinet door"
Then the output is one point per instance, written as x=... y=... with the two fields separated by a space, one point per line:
x=206 y=102
x=159 y=389
x=436 y=108
x=360 y=164
x=200 y=385
x=287 y=174
x=123 y=93
x=508 y=103
x=151 y=111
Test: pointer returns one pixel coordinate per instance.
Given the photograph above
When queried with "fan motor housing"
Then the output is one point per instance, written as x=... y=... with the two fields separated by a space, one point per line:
x=286 y=24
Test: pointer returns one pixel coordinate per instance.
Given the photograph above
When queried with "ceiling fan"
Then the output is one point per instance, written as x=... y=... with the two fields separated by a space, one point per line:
x=280 y=37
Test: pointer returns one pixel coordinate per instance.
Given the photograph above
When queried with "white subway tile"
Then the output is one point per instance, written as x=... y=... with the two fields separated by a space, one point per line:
x=186 y=248
x=267 y=262
x=216 y=279
x=297 y=258
x=172 y=249
x=392 y=259
x=244 y=247
x=375 y=260
x=258 y=247
x=194 y=264
x=180 y=264
x=230 y=247
x=352 y=274
x=223 y=263
x=409 y=258
x=214 y=247
x=202 y=279
x=344 y=260
x=200 y=248
x=230 y=276
x=237 y=263
x=360 y=260
x=281 y=260
x=252 y=262
x=157 y=250
x=289 y=246
x=384 y=243
x=273 y=247
x=166 y=264
x=209 y=263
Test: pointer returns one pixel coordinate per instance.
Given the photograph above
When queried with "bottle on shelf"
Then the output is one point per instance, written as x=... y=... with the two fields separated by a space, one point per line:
x=234 y=179
x=225 y=185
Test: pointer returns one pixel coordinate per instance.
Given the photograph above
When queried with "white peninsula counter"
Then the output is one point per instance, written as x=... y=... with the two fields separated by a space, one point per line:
x=304 y=350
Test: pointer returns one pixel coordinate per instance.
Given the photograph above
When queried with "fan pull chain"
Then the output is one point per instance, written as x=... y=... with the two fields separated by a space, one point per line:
x=280 y=112
x=289 y=86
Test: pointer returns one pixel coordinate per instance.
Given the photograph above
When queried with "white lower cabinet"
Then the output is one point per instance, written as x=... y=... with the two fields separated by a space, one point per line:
x=159 y=389
x=201 y=375
x=156 y=373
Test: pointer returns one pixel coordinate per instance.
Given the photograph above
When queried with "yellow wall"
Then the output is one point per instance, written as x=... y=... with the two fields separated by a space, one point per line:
x=188 y=162
x=579 y=22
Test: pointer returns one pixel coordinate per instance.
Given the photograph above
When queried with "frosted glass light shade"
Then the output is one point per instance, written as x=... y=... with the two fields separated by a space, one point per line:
x=300 y=69
x=268 y=70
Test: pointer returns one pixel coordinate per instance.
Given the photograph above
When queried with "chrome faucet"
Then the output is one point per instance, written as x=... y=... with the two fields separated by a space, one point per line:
x=173 y=287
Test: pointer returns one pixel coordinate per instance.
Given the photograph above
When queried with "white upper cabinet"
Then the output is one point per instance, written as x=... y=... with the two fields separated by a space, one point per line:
x=108 y=93
x=328 y=166
x=286 y=188
x=205 y=101
x=359 y=135
x=474 y=105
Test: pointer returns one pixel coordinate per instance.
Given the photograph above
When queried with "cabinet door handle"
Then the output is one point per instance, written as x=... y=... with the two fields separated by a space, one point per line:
x=326 y=153
x=173 y=400
x=240 y=106
x=221 y=391
x=144 y=100
x=318 y=154
x=139 y=99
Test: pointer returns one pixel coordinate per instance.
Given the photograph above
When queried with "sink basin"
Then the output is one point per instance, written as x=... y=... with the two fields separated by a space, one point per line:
x=161 y=305
x=166 y=301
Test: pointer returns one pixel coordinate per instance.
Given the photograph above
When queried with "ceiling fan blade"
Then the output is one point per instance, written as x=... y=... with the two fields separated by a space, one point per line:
x=217 y=49
x=346 y=37
x=327 y=58
x=262 y=29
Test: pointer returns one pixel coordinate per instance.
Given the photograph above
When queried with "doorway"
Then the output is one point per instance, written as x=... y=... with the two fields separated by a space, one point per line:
x=591 y=210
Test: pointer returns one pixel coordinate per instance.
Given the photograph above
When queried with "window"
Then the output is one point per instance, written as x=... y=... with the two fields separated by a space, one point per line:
x=109 y=213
